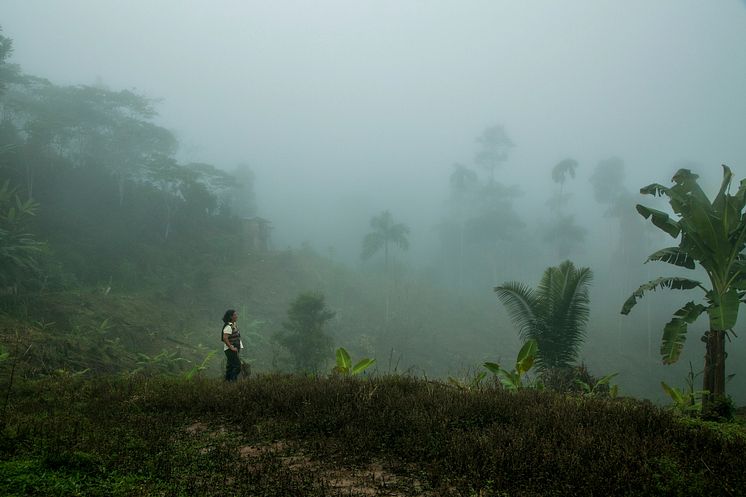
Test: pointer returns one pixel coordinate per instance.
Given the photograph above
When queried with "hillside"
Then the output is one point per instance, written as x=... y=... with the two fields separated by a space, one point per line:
x=428 y=331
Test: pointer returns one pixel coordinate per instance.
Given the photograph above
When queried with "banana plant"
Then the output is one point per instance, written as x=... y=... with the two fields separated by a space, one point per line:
x=198 y=368
x=686 y=400
x=595 y=390
x=164 y=362
x=513 y=380
x=713 y=235
x=344 y=364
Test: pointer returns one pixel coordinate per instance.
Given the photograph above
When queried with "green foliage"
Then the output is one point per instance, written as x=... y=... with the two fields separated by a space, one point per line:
x=713 y=235
x=8 y=72
x=720 y=409
x=513 y=380
x=555 y=314
x=602 y=387
x=683 y=401
x=197 y=370
x=165 y=362
x=303 y=333
x=104 y=142
x=19 y=249
x=344 y=365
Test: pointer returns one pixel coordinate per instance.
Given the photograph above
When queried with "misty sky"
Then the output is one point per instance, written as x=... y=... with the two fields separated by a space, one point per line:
x=345 y=108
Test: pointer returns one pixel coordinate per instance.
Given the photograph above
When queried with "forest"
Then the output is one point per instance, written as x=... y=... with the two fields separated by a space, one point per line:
x=501 y=350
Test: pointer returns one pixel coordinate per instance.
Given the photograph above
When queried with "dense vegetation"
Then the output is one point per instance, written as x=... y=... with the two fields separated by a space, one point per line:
x=289 y=435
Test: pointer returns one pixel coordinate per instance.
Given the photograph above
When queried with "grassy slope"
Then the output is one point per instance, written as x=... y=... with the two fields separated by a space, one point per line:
x=291 y=435
x=428 y=331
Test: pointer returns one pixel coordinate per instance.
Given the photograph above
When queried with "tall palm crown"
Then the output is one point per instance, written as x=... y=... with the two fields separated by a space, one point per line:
x=385 y=233
x=555 y=314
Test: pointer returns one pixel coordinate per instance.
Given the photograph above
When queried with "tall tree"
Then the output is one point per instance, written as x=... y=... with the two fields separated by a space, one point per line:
x=386 y=232
x=494 y=147
x=713 y=236
x=464 y=185
x=563 y=231
x=560 y=172
x=8 y=72
x=555 y=314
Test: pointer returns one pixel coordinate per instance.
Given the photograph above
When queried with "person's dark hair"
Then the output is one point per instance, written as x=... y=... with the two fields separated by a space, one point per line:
x=228 y=315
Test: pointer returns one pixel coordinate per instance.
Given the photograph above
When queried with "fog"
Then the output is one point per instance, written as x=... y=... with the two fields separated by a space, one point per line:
x=346 y=109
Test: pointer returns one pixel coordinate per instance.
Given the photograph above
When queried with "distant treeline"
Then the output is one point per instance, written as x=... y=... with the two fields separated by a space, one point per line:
x=92 y=189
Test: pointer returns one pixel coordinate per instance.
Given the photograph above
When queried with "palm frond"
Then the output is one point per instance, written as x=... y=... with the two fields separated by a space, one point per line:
x=566 y=312
x=555 y=314
x=522 y=306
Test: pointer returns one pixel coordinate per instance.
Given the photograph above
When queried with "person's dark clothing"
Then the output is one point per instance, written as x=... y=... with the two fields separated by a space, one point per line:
x=233 y=366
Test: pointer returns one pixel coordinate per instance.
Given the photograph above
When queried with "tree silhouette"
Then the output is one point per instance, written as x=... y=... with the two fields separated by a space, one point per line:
x=559 y=175
x=385 y=233
x=303 y=332
x=494 y=148
x=563 y=231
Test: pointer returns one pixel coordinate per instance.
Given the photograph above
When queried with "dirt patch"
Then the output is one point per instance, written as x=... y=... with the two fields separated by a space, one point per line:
x=196 y=428
x=372 y=479
x=369 y=480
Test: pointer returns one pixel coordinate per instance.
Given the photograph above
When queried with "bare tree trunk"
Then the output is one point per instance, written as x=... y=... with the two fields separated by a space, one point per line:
x=460 y=269
x=388 y=280
x=713 y=379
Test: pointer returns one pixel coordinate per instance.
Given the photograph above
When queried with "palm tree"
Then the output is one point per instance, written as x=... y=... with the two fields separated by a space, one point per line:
x=563 y=231
x=385 y=233
x=555 y=314
x=713 y=235
x=559 y=175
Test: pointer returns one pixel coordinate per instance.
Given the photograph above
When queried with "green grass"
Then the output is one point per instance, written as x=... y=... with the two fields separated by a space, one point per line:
x=281 y=435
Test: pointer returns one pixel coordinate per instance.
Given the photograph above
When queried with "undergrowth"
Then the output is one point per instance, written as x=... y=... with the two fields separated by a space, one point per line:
x=285 y=435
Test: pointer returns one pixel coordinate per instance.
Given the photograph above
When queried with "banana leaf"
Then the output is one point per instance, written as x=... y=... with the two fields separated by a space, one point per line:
x=660 y=219
x=669 y=282
x=674 y=333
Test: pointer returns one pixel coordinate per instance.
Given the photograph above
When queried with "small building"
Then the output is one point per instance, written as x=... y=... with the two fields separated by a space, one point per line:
x=256 y=234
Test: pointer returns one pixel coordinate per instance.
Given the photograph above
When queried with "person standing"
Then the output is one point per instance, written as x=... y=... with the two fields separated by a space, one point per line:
x=232 y=345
